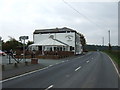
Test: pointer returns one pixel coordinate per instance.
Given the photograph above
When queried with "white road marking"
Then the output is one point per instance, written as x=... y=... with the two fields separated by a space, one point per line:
x=63 y=61
x=49 y=87
x=21 y=75
x=87 y=61
x=77 y=68
x=114 y=66
x=1 y=81
x=50 y=65
x=24 y=74
x=67 y=76
x=59 y=63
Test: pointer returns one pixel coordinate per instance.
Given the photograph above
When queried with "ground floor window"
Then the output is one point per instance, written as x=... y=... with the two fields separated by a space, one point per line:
x=71 y=48
x=52 y=48
x=40 y=48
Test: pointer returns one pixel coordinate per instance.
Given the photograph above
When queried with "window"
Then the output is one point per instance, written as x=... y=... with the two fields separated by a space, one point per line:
x=71 y=48
x=40 y=48
x=55 y=48
x=60 y=48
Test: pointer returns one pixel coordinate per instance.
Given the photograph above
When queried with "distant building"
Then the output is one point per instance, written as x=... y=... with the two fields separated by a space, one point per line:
x=58 y=39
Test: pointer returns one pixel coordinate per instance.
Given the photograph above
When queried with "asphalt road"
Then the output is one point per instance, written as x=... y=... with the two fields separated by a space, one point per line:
x=93 y=70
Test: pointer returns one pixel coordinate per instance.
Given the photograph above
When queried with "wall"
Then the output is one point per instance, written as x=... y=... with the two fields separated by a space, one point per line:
x=68 y=38
x=78 y=45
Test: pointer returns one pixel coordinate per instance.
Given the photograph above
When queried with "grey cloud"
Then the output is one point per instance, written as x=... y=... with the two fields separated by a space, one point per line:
x=26 y=16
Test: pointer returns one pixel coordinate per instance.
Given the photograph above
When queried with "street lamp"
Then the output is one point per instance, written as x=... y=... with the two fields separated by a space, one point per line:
x=23 y=38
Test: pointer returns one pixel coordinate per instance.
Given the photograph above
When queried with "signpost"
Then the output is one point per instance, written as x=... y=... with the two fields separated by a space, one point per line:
x=23 y=38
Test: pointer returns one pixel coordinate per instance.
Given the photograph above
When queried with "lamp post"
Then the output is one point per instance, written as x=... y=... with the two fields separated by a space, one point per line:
x=23 y=38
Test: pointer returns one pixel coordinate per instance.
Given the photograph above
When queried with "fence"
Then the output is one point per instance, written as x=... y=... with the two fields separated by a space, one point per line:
x=45 y=54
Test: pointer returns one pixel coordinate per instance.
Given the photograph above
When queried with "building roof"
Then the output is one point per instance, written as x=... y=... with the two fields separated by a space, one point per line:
x=55 y=30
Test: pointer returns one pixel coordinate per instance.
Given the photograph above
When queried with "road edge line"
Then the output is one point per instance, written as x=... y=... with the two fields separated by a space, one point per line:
x=21 y=75
x=49 y=87
x=114 y=65
x=24 y=74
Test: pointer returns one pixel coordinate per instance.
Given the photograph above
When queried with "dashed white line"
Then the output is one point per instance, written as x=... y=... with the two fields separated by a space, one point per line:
x=56 y=63
x=77 y=68
x=49 y=87
x=26 y=73
x=87 y=61
x=50 y=65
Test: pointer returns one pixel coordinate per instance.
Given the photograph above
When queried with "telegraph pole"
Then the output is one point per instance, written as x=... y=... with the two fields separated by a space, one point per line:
x=103 y=41
x=109 y=40
x=23 y=38
x=109 y=36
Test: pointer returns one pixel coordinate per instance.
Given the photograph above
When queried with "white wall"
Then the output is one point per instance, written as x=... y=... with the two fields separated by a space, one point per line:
x=68 y=38
x=78 y=44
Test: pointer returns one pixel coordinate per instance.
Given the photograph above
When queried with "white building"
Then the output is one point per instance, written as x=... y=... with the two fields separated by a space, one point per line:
x=58 y=39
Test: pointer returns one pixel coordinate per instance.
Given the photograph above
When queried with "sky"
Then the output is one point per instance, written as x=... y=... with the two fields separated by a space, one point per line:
x=92 y=18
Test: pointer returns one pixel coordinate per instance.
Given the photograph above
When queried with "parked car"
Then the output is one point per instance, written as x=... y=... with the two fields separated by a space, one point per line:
x=2 y=53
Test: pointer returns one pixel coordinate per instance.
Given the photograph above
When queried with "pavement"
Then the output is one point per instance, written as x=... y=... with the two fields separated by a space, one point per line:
x=93 y=70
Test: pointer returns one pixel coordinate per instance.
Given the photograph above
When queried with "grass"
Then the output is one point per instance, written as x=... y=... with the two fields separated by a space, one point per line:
x=115 y=55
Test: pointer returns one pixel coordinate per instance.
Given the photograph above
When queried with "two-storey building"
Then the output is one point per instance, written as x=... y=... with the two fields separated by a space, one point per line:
x=58 y=39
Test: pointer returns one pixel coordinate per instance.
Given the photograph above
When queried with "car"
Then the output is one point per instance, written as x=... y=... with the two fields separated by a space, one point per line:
x=2 y=53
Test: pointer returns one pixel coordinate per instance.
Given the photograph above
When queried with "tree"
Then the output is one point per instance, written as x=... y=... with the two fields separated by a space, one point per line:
x=29 y=43
x=82 y=40
x=12 y=43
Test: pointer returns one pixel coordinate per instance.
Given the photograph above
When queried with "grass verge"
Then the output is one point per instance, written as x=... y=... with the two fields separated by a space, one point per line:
x=115 y=55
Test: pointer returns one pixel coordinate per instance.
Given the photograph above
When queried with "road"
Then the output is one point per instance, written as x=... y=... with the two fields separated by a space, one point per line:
x=93 y=70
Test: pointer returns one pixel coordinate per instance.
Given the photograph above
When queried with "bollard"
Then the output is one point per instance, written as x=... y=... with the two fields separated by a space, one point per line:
x=3 y=67
x=26 y=63
x=15 y=65
x=34 y=61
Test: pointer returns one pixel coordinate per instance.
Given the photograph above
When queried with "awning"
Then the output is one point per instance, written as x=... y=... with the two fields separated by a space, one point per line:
x=49 y=42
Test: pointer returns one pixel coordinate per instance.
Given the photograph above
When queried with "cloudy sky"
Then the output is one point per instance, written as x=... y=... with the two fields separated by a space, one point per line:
x=93 y=19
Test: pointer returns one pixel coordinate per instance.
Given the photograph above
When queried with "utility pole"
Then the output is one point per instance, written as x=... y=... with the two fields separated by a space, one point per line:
x=23 y=38
x=103 y=41
x=109 y=36
x=109 y=40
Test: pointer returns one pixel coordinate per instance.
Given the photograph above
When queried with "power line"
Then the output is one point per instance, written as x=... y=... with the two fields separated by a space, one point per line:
x=81 y=14
x=75 y=9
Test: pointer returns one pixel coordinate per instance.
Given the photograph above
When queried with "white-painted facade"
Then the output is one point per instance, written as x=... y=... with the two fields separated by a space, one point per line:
x=63 y=39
